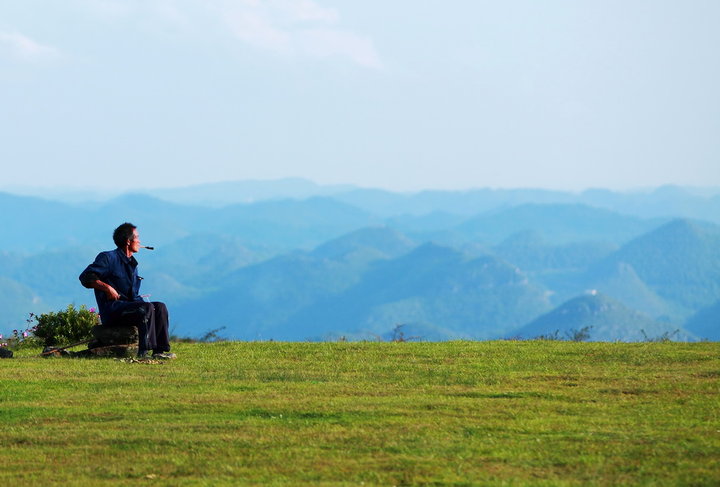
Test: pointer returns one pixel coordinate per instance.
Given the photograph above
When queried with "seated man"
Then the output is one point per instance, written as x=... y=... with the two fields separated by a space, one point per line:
x=115 y=279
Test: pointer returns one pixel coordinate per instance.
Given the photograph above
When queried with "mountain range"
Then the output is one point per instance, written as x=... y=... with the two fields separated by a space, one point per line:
x=359 y=263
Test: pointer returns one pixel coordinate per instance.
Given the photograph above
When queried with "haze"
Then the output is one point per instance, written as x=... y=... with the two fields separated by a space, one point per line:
x=402 y=95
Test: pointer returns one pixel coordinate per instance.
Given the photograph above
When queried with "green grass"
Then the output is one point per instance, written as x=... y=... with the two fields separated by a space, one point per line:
x=457 y=413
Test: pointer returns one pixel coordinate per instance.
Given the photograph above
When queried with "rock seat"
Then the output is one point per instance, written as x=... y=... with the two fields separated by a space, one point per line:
x=114 y=341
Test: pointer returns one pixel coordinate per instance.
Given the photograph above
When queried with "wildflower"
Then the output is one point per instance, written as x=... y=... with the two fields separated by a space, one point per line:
x=25 y=334
x=92 y=310
x=0 y=336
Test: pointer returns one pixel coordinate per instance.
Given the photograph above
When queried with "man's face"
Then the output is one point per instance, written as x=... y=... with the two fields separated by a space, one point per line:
x=134 y=242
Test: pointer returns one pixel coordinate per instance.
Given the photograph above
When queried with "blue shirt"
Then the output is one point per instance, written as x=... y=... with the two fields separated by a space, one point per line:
x=119 y=271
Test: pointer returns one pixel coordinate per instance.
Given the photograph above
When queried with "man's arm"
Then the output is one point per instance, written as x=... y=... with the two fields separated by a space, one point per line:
x=109 y=291
x=91 y=277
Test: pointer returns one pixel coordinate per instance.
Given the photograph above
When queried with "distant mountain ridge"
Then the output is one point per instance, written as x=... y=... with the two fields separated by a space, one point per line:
x=662 y=202
x=556 y=223
x=432 y=284
x=435 y=264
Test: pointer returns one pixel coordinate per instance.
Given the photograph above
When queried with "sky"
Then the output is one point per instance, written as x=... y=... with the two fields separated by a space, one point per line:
x=402 y=94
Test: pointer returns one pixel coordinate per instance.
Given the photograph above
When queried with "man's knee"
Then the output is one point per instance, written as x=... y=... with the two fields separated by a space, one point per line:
x=146 y=308
x=160 y=307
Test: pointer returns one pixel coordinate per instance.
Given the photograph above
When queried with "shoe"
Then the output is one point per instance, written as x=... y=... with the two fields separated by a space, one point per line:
x=164 y=356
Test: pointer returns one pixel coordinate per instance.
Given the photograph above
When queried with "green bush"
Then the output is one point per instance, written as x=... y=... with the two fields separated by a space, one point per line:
x=67 y=326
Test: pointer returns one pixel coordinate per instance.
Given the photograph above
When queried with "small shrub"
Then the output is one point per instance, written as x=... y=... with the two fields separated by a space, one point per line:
x=572 y=335
x=398 y=335
x=581 y=335
x=212 y=336
x=550 y=336
x=664 y=338
x=65 y=327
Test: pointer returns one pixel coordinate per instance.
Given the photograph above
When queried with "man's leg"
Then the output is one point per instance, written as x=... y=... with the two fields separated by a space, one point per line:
x=161 y=333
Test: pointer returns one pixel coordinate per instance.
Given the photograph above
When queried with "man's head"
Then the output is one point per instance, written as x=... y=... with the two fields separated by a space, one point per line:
x=125 y=236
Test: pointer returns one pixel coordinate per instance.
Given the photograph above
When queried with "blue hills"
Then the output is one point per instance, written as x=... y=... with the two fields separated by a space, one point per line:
x=679 y=261
x=363 y=264
x=433 y=285
x=600 y=318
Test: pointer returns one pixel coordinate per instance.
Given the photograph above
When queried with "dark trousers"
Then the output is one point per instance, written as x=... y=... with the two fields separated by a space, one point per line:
x=151 y=320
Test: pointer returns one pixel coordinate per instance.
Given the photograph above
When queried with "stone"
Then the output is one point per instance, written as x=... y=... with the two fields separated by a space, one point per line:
x=5 y=353
x=114 y=341
x=117 y=351
x=114 y=335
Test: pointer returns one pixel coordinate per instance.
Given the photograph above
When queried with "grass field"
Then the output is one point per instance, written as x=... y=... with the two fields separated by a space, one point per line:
x=454 y=413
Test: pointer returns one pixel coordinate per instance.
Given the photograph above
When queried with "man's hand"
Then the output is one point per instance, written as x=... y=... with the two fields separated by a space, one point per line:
x=109 y=291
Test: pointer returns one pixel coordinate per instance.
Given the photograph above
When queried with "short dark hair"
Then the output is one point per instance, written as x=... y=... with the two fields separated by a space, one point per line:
x=123 y=233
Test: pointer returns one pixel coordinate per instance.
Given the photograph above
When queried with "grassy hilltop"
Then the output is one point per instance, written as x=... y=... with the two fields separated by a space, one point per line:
x=453 y=413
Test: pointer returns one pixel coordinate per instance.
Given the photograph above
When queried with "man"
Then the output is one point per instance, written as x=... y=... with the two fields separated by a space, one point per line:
x=115 y=279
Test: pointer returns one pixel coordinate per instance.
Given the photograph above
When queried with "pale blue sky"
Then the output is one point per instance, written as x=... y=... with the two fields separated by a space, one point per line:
x=399 y=94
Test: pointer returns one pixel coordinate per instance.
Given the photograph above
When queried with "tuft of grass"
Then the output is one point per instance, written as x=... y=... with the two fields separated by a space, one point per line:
x=401 y=413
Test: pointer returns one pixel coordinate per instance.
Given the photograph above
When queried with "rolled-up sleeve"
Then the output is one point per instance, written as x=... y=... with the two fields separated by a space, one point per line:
x=95 y=271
